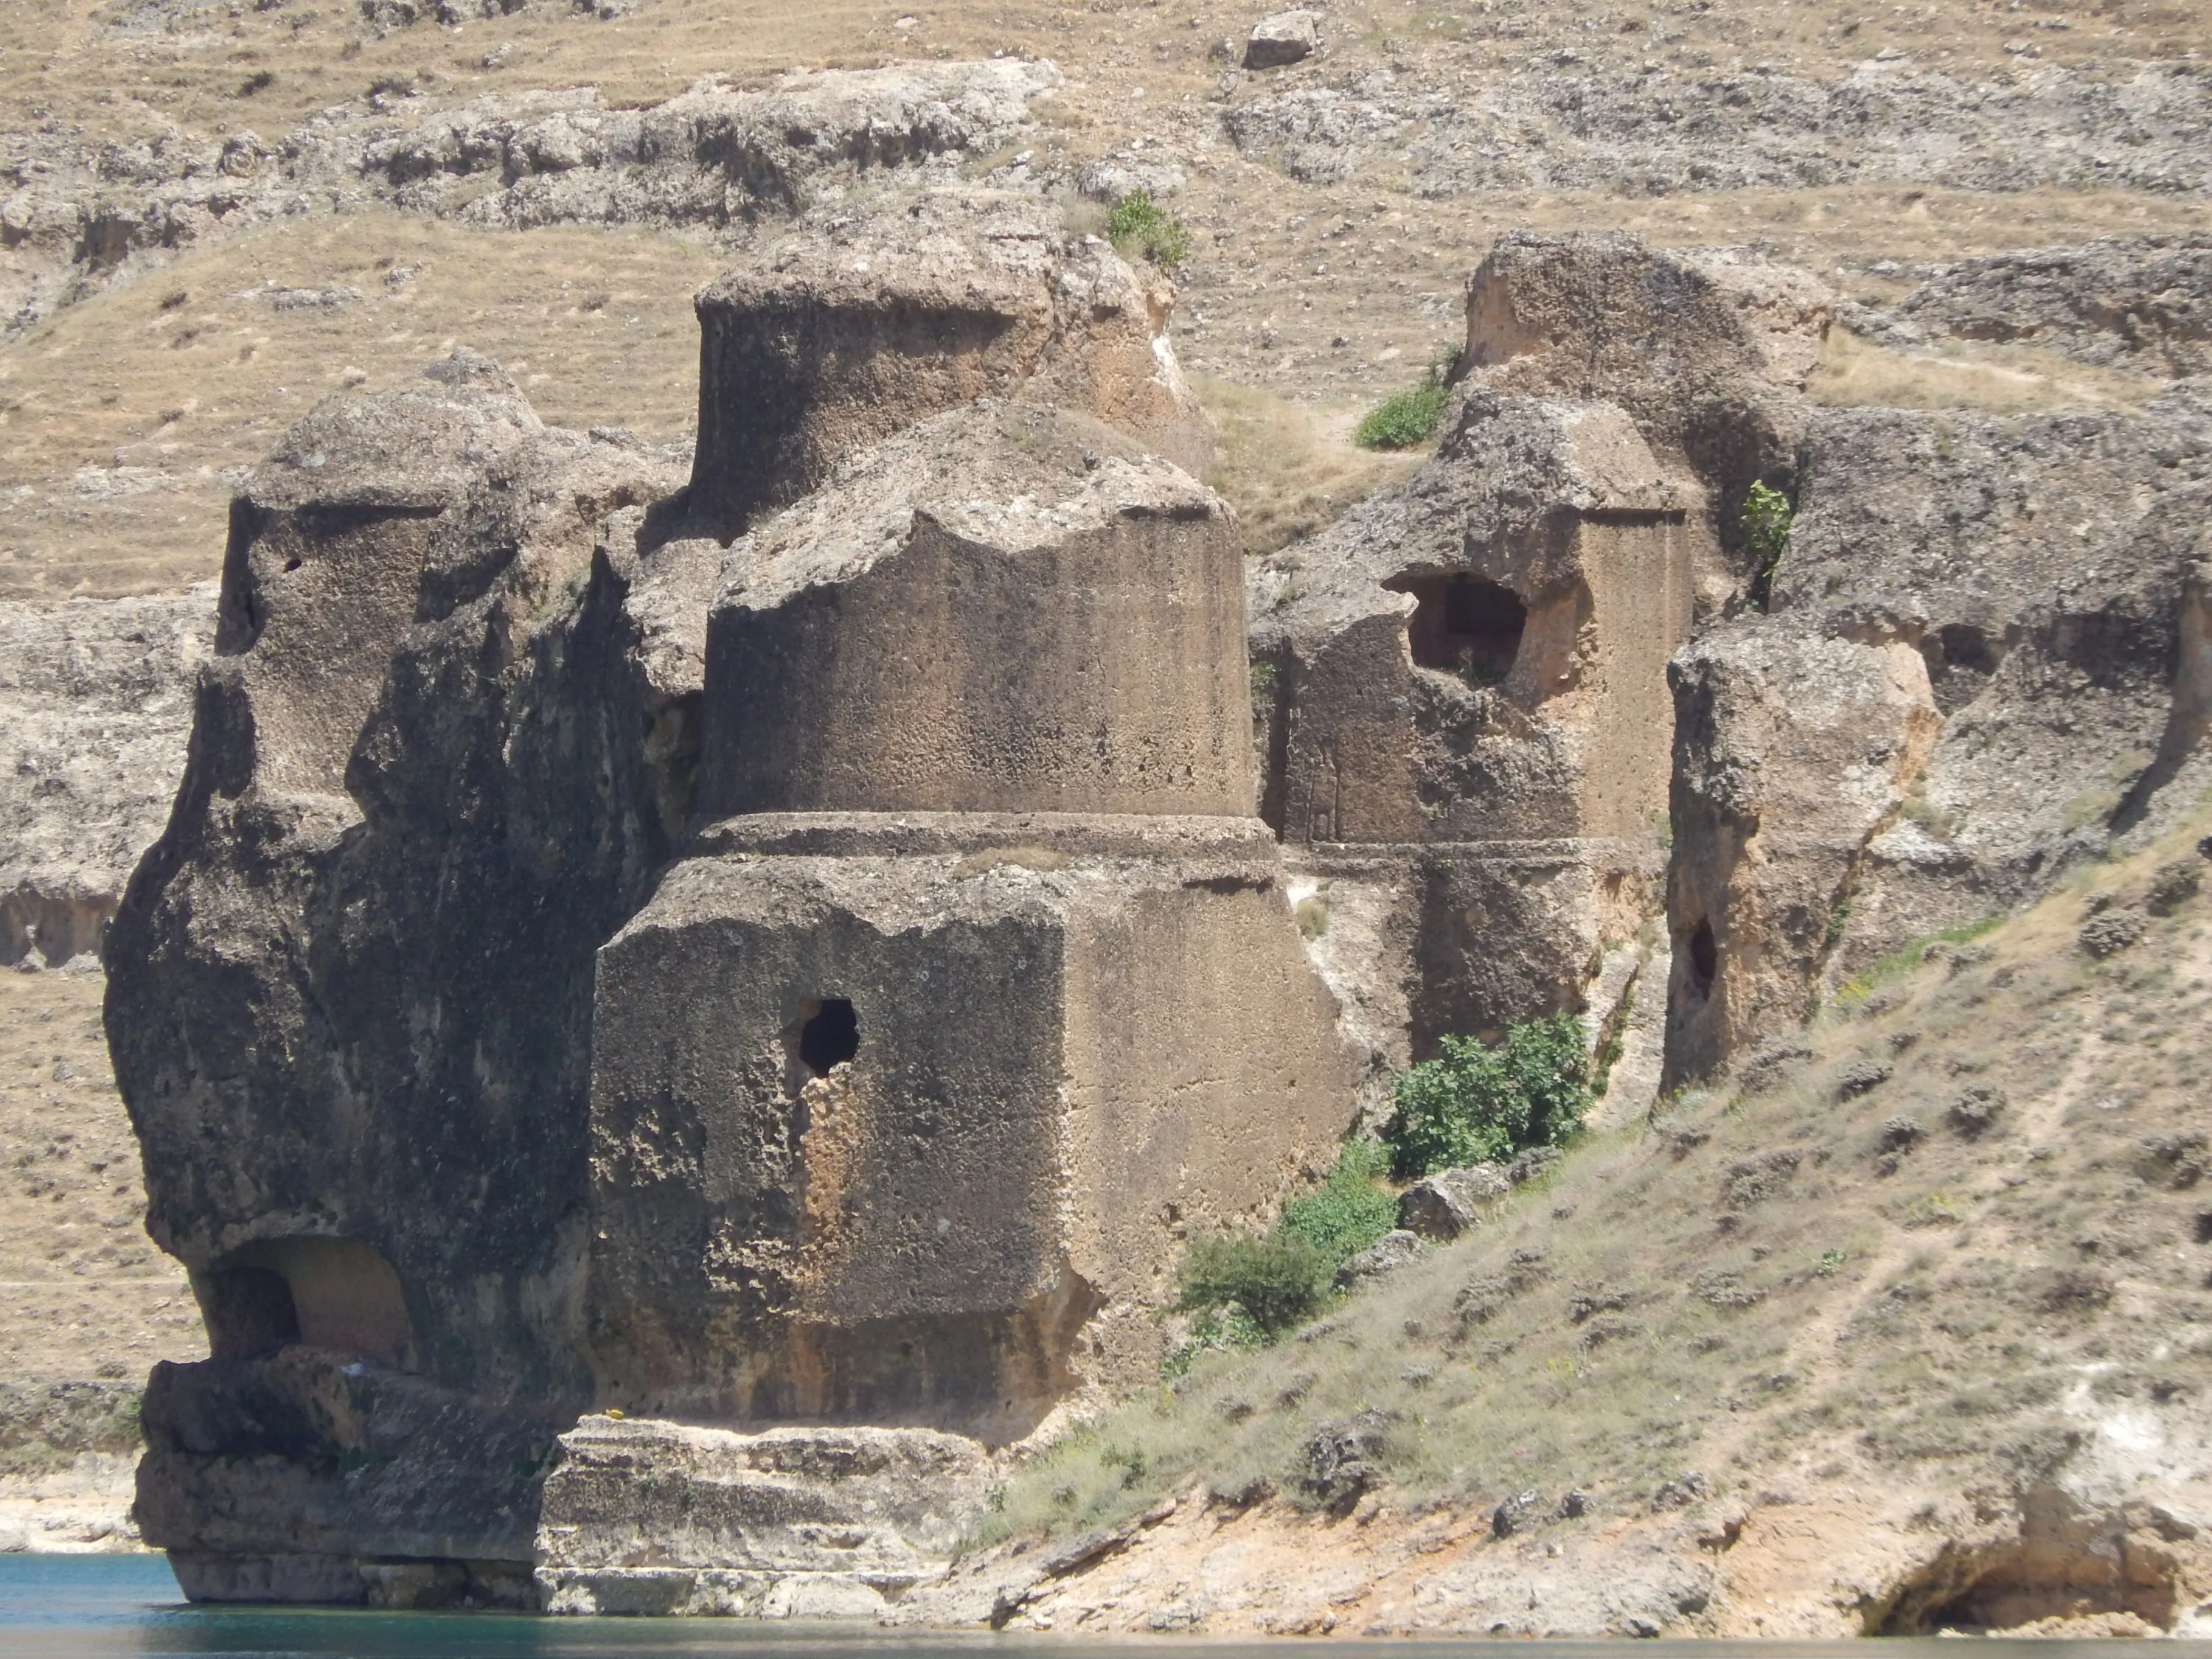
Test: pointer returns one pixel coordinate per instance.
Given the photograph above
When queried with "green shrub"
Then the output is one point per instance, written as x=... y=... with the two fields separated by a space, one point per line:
x=1278 y=1280
x=1473 y=1103
x=1227 y=1328
x=1348 y=1212
x=1405 y=418
x=1765 y=524
x=1140 y=228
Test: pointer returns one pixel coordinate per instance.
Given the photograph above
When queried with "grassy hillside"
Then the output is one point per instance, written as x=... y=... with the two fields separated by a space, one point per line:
x=1953 y=1243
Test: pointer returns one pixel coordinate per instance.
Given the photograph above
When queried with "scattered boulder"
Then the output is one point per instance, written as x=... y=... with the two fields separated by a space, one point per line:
x=1394 y=1249
x=1286 y=38
x=1510 y=1516
x=1530 y=1162
x=1342 y=1459
x=2111 y=931
x=1442 y=1205
x=2173 y=886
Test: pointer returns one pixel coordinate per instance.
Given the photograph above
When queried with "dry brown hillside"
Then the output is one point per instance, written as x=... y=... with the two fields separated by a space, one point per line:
x=127 y=413
x=87 y=1303
x=1905 y=1325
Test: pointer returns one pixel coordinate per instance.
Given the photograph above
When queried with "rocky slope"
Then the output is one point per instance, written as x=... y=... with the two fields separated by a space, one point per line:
x=1989 y=628
x=1897 y=1329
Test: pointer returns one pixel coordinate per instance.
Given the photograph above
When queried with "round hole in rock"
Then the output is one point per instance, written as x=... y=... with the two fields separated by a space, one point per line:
x=1463 y=624
x=829 y=1036
x=1704 y=958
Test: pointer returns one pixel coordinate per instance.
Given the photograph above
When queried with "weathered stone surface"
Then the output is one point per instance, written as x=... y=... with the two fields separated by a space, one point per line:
x=1658 y=132
x=1288 y=37
x=348 y=981
x=1464 y=672
x=1469 y=723
x=654 y=1517
x=95 y=702
x=1791 y=753
x=560 y=984
x=859 y=636
x=1683 y=340
x=1836 y=798
x=2136 y=302
x=1005 y=1164
x=1394 y=1250
x=713 y=158
x=858 y=325
x=1441 y=1206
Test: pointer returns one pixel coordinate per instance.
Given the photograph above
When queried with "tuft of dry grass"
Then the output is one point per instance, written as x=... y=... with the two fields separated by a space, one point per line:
x=1289 y=469
x=1855 y=373
x=125 y=420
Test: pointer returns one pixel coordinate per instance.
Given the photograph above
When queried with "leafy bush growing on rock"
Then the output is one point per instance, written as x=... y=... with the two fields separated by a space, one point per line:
x=1405 y=418
x=1348 y=1212
x=1278 y=1280
x=1478 y=1105
x=1246 y=1287
x=1765 y=524
x=1140 y=228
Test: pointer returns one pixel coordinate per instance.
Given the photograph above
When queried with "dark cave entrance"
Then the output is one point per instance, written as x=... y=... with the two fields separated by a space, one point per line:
x=1463 y=624
x=829 y=1034
x=249 y=1312
x=1704 y=959
x=336 y=1293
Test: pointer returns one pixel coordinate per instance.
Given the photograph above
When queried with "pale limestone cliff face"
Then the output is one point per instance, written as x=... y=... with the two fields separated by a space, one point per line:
x=95 y=702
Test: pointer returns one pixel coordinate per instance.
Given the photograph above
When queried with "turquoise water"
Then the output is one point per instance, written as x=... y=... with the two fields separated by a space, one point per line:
x=105 y=1606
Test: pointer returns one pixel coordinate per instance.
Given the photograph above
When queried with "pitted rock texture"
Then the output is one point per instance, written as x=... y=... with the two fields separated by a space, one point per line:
x=417 y=643
x=95 y=703
x=2136 y=302
x=565 y=979
x=1662 y=133
x=857 y=324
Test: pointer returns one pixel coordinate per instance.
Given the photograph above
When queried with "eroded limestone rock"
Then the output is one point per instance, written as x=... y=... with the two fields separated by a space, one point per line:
x=652 y=1517
x=858 y=325
x=95 y=702
x=814 y=978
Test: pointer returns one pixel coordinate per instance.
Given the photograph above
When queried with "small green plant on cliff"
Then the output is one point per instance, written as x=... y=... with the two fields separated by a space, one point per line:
x=1348 y=1211
x=1407 y=419
x=1475 y=1103
x=1140 y=228
x=1279 y=1280
x=1248 y=1289
x=1766 y=525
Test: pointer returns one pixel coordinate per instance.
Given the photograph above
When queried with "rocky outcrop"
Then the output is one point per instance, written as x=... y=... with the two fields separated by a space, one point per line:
x=1465 y=671
x=95 y=701
x=1978 y=659
x=713 y=158
x=857 y=326
x=1657 y=132
x=1983 y=665
x=435 y=759
x=2133 y=302
x=787 y=1523
x=812 y=976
